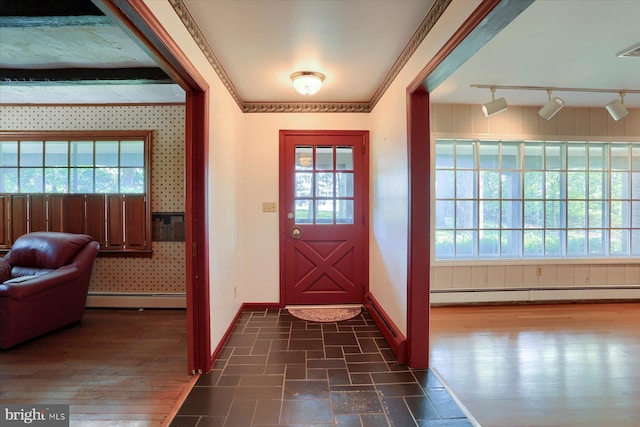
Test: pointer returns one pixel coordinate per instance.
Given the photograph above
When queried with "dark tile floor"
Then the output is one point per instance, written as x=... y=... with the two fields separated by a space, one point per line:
x=276 y=370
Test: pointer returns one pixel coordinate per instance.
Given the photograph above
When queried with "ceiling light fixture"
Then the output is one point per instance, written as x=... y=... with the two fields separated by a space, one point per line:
x=495 y=106
x=616 y=108
x=307 y=82
x=550 y=109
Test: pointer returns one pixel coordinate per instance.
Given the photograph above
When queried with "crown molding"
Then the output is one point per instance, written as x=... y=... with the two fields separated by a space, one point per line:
x=437 y=9
x=306 y=107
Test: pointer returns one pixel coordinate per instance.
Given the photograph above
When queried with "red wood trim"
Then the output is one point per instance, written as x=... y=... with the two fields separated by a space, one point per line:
x=141 y=22
x=197 y=243
x=419 y=151
x=391 y=333
x=419 y=262
x=461 y=33
x=283 y=208
x=261 y=305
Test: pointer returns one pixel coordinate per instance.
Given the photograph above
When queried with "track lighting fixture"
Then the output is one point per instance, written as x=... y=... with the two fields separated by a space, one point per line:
x=550 y=109
x=495 y=106
x=616 y=108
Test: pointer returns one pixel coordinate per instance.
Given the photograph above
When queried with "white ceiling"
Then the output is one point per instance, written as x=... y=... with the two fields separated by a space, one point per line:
x=559 y=43
x=354 y=43
x=259 y=43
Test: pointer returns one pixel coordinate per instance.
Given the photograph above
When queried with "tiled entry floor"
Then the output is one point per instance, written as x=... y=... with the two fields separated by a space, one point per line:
x=276 y=370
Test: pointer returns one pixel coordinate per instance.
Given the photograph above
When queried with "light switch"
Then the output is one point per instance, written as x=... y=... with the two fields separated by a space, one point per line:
x=269 y=207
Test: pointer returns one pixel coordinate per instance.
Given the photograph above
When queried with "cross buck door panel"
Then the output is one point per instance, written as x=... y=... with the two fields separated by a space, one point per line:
x=323 y=216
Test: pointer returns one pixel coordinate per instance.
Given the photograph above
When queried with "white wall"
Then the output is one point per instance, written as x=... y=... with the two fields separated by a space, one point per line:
x=389 y=177
x=259 y=235
x=224 y=145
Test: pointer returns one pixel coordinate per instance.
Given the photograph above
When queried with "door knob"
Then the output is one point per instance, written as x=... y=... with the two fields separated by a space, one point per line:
x=296 y=232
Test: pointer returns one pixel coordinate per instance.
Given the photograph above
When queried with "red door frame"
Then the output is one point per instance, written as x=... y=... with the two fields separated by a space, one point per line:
x=282 y=200
x=141 y=24
x=487 y=20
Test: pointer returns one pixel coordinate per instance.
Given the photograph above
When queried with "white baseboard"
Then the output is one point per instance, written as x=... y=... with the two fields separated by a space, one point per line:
x=472 y=296
x=118 y=300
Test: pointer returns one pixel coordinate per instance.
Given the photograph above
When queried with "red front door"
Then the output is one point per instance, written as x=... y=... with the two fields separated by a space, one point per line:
x=323 y=216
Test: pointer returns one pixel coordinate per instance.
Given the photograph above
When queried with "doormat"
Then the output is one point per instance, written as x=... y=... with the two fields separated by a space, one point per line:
x=324 y=313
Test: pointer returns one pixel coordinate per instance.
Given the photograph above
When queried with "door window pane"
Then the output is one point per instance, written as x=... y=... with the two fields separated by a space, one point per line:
x=344 y=158
x=324 y=184
x=344 y=211
x=324 y=158
x=304 y=211
x=304 y=184
x=304 y=158
x=344 y=184
x=324 y=211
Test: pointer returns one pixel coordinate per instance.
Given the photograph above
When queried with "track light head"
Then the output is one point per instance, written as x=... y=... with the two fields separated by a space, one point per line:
x=495 y=106
x=616 y=108
x=550 y=109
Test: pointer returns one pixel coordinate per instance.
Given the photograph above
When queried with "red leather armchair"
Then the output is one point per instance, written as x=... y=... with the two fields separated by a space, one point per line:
x=44 y=284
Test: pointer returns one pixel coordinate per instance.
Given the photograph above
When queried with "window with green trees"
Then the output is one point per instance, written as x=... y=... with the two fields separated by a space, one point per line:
x=536 y=199
x=92 y=182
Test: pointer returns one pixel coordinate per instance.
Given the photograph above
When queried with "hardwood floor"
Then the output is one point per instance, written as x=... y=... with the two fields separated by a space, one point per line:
x=115 y=368
x=542 y=365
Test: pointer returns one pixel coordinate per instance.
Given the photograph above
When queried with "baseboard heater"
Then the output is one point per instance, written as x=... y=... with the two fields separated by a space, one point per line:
x=397 y=342
x=535 y=295
x=136 y=300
